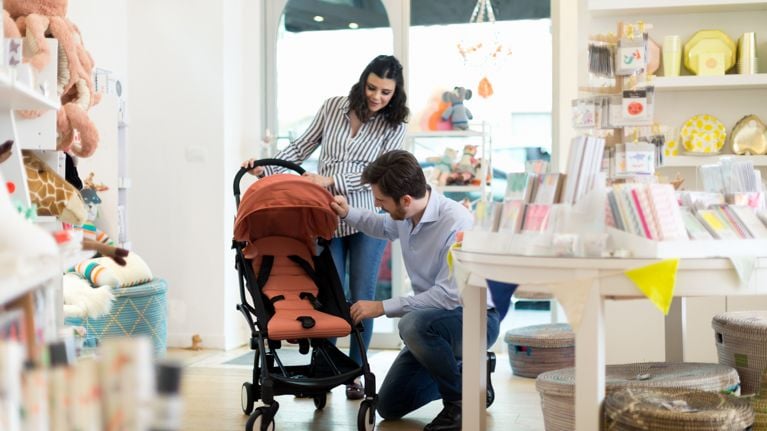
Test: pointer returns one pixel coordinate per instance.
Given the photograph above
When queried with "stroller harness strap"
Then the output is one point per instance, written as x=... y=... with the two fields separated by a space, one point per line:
x=286 y=276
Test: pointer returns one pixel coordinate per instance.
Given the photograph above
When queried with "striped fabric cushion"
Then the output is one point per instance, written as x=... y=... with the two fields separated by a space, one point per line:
x=104 y=271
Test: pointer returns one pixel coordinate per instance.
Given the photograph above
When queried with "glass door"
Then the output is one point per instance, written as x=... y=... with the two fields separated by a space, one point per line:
x=318 y=50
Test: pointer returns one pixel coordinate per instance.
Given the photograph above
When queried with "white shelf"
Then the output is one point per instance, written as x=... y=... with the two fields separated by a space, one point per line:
x=13 y=287
x=15 y=95
x=444 y=134
x=648 y=7
x=455 y=189
x=695 y=161
x=697 y=83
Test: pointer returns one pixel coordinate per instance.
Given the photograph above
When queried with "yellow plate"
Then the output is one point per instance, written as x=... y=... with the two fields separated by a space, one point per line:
x=703 y=134
x=709 y=42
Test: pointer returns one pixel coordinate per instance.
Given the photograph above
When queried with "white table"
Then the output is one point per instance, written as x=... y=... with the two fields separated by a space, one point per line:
x=695 y=277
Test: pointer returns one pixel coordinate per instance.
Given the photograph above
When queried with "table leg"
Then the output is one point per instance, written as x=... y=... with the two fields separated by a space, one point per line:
x=675 y=325
x=590 y=363
x=474 y=357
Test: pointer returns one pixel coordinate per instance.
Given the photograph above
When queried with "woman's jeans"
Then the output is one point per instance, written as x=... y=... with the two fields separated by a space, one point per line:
x=360 y=255
x=429 y=366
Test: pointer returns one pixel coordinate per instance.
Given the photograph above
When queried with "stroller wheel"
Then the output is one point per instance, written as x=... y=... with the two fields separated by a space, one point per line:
x=246 y=398
x=261 y=420
x=320 y=401
x=366 y=418
x=490 y=396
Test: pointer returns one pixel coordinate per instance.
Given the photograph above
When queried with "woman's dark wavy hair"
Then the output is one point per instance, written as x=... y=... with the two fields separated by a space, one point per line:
x=387 y=67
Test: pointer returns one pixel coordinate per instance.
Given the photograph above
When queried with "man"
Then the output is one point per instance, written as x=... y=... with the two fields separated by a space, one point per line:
x=428 y=367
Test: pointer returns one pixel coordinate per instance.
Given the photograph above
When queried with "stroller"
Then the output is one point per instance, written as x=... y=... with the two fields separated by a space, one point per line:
x=295 y=295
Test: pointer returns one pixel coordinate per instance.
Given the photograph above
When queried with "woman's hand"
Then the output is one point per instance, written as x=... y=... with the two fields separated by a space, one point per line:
x=321 y=181
x=257 y=171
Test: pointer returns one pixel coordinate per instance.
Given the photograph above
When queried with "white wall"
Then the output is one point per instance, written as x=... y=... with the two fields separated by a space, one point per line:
x=185 y=139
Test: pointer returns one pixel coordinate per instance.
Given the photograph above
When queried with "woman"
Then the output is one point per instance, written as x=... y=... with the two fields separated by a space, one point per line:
x=354 y=130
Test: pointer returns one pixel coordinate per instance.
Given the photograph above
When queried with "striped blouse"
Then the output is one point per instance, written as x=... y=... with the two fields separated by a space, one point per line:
x=342 y=156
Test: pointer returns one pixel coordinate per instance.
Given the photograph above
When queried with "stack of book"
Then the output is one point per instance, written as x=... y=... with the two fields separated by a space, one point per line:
x=528 y=202
x=652 y=211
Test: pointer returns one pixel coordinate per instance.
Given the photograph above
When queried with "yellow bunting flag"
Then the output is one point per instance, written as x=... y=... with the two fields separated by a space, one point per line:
x=657 y=282
x=450 y=256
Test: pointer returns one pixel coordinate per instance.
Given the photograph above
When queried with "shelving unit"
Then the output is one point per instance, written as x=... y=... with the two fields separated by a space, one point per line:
x=707 y=83
x=652 y=7
x=696 y=161
x=728 y=98
x=435 y=142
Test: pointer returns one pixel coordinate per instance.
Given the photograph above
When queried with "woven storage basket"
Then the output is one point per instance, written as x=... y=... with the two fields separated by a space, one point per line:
x=540 y=348
x=759 y=403
x=137 y=310
x=663 y=409
x=557 y=388
x=741 y=342
x=528 y=294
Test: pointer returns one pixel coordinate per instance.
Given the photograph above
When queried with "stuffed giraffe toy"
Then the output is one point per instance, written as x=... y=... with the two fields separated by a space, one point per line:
x=51 y=193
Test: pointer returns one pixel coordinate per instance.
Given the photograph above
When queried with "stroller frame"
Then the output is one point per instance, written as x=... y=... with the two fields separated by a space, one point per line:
x=329 y=367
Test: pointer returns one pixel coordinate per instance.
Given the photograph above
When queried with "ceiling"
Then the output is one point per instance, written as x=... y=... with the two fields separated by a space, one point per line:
x=338 y=14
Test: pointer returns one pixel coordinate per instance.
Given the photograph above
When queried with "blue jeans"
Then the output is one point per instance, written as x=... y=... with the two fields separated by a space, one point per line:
x=429 y=367
x=364 y=255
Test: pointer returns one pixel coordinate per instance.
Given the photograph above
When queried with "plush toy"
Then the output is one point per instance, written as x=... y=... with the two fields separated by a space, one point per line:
x=37 y=19
x=95 y=239
x=10 y=30
x=466 y=168
x=52 y=194
x=81 y=300
x=443 y=166
x=458 y=113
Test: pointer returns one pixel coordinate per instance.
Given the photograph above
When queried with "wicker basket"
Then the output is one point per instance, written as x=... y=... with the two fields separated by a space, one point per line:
x=759 y=403
x=531 y=295
x=741 y=342
x=557 y=388
x=137 y=310
x=540 y=348
x=660 y=409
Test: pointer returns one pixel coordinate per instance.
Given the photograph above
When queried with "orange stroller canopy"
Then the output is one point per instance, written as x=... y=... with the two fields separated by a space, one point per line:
x=285 y=205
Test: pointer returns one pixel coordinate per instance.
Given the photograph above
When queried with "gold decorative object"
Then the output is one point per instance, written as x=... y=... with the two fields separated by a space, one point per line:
x=749 y=136
x=703 y=134
x=709 y=46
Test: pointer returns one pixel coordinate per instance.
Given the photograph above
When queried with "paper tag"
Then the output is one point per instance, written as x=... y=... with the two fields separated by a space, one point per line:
x=634 y=105
x=631 y=58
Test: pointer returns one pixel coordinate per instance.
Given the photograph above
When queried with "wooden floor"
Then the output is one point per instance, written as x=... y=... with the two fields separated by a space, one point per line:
x=212 y=399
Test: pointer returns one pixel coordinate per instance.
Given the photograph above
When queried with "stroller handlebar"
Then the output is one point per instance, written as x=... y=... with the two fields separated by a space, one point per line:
x=264 y=162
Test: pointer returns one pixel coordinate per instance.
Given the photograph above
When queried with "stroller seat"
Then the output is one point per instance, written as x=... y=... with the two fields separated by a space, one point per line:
x=285 y=270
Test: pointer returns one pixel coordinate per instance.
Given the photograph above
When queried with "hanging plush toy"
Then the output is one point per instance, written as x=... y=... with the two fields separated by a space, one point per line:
x=38 y=19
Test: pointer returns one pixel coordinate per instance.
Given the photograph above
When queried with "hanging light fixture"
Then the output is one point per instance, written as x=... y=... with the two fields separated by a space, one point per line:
x=486 y=52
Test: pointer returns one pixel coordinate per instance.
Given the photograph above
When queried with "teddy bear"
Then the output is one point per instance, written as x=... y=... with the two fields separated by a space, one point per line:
x=458 y=114
x=37 y=19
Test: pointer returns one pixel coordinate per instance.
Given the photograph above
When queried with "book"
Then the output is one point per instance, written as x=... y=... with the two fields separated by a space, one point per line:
x=519 y=186
x=548 y=188
x=512 y=215
x=666 y=211
x=536 y=217
x=718 y=227
x=748 y=217
x=693 y=225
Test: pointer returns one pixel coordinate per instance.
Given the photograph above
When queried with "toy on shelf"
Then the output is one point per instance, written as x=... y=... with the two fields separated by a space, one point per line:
x=458 y=114
x=51 y=193
x=75 y=88
x=466 y=168
x=443 y=166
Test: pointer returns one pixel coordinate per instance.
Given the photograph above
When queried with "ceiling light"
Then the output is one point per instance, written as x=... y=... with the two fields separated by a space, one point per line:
x=318 y=18
x=353 y=25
